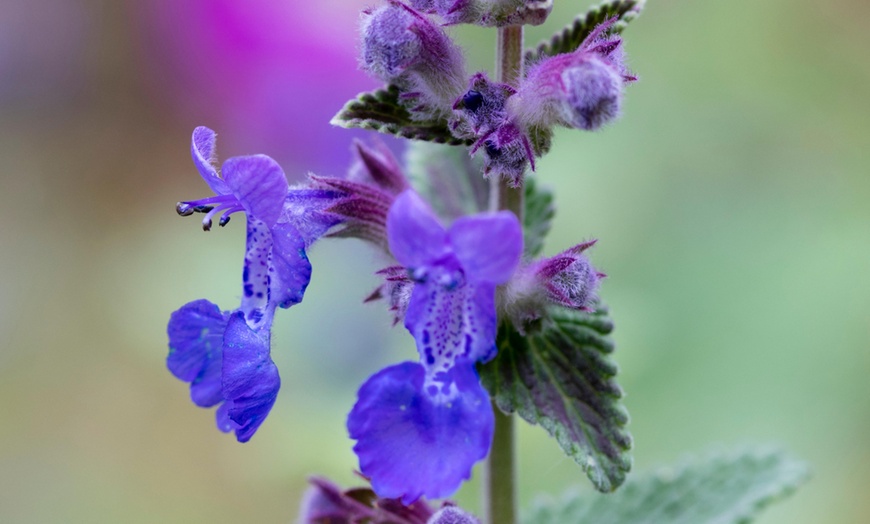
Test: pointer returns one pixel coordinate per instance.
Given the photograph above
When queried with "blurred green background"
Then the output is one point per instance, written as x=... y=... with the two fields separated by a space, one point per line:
x=731 y=204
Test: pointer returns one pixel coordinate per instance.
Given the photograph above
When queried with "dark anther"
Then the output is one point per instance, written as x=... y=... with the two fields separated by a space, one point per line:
x=183 y=209
x=206 y=225
x=472 y=100
x=202 y=209
x=491 y=149
x=225 y=219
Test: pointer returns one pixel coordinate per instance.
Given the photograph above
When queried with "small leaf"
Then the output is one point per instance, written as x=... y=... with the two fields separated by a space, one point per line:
x=570 y=38
x=382 y=111
x=562 y=377
x=537 y=216
x=722 y=488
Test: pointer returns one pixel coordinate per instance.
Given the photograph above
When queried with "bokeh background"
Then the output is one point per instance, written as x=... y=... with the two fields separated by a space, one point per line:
x=731 y=204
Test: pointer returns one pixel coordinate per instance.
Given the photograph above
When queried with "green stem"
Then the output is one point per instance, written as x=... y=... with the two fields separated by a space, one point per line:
x=500 y=479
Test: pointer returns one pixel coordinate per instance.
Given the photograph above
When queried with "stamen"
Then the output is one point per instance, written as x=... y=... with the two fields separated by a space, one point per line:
x=227 y=209
x=204 y=205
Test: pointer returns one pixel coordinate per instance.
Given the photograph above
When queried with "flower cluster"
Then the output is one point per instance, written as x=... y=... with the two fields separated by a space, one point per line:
x=419 y=426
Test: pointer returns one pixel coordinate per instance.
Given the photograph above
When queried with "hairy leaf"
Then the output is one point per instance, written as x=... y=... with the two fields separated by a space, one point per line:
x=537 y=217
x=562 y=377
x=570 y=38
x=724 y=488
x=382 y=111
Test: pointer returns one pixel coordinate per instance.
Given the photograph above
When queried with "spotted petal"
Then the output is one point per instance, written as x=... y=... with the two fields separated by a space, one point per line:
x=203 y=149
x=452 y=324
x=196 y=333
x=259 y=184
x=250 y=378
x=408 y=444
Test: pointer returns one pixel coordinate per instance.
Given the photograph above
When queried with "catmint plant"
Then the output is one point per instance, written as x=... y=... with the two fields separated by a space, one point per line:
x=501 y=331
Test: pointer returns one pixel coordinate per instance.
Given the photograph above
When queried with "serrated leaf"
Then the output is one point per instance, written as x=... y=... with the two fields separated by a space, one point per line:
x=382 y=111
x=562 y=377
x=722 y=488
x=537 y=216
x=570 y=38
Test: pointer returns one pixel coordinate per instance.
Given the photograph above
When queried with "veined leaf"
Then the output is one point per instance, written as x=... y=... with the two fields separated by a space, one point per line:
x=570 y=38
x=562 y=377
x=724 y=488
x=382 y=111
x=537 y=216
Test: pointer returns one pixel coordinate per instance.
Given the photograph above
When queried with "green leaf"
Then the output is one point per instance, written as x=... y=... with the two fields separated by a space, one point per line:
x=562 y=377
x=723 y=488
x=570 y=38
x=382 y=111
x=537 y=216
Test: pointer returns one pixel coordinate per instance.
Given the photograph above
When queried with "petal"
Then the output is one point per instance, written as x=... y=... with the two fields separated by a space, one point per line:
x=203 y=149
x=290 y=268
x=258 y=182
x=415 y=235
x=452 y=324
x=410 y=445
x=257 y=303
x=196 y=333
x=488 y=246
x=250 y=378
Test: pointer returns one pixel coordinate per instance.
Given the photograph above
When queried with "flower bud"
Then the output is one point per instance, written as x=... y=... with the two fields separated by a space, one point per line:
x=567 y=279
x=582 y=89
x=401 y=46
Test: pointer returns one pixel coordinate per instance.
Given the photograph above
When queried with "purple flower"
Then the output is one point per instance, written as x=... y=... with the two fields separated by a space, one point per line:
x=403 y=47
x=226 y=355
x=582 y=89
x=453 y=515
x=421 y=427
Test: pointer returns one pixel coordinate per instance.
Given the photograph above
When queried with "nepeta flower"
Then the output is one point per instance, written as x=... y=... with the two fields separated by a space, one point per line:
x=453 y=515
x=582 y=89
x=226 y=355
x=421 y=427
x=402 y=46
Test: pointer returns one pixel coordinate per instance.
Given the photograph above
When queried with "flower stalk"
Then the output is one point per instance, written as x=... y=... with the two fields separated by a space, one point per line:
x=500 y=504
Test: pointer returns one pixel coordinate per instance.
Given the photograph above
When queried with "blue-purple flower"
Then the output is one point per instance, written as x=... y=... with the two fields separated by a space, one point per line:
x=420 y=427
x=225 y=355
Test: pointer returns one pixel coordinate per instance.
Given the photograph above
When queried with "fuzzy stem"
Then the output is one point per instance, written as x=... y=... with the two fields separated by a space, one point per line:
x=500 y=476
x=509 y=70
x=500 y=479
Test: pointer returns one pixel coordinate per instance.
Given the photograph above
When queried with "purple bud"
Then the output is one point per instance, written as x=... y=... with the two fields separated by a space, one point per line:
x=390 y=46
x=482 y=108
x=488 y=13
x=402 y=46
x=593 y=91
x=507 y=154
x=452 y=515
x=567 y=279
x=582 y=89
